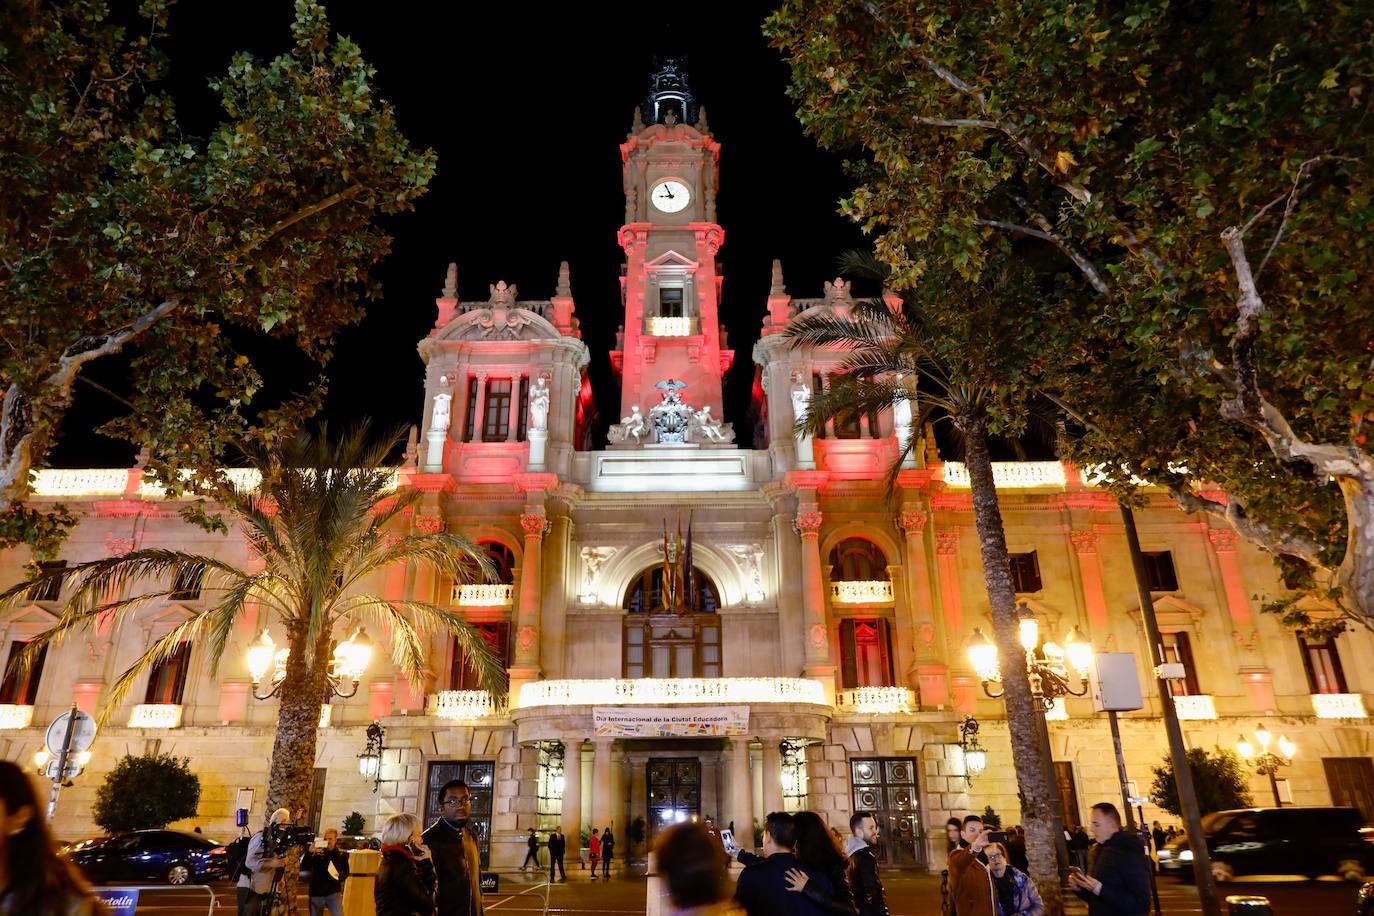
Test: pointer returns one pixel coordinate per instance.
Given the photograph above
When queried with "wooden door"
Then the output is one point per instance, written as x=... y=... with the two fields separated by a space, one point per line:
x=1351 y=780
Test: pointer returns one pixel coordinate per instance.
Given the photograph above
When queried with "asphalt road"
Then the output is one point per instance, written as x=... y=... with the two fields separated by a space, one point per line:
x=913 y=895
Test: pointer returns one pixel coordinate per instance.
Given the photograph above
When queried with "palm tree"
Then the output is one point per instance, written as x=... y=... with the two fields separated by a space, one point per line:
x=964 y=372
x=324 y=519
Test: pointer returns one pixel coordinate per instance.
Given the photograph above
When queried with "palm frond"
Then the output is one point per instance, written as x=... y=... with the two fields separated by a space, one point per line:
x=430 y=618
x=161 y=650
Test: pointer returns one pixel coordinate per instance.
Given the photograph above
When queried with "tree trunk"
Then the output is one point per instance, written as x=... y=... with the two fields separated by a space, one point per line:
x=1024 y=717
x=293 y=751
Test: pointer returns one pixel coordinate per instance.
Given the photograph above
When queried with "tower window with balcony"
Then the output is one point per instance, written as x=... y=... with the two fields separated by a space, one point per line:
x=51 y=589
x=1025 y=572
x=1323 y=665
x=186 y=585
x=857 y=560
x=1159 y=571
x=167 y=679
x=463 y=675
x=1178 y=648
x=865 y=653
x=496 y=411
x=21 y=690
x=670 y=302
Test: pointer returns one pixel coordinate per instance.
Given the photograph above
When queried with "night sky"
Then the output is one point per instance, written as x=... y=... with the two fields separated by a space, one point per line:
x=526 y=108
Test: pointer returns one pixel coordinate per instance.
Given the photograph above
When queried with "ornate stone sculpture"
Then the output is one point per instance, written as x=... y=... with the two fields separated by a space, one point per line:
x=901 y=425
x=631 y=427
x=801 y=397
x=593 y=558
x=709 y=428
x=670 y=416
x=440 y=418
x=539 y=404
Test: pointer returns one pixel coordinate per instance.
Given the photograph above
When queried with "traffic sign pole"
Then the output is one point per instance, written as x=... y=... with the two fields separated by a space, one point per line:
x=62 y=761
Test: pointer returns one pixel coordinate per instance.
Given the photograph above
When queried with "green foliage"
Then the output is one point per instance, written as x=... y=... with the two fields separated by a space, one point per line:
x=1219 y=781
x=118 y=231
x=353 y=825
x=1107 y=148
x=146 y=792
x=991 y=818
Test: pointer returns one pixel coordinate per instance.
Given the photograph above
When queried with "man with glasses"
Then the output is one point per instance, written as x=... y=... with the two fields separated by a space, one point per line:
x=457 y=860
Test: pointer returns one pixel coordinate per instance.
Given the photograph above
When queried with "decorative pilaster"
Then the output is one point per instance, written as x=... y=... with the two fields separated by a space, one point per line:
x=772 y=775
x=479 y=409
x=1228 y=560
x=526 y=668
x=571 y=818
x=1085 y=542
x=818 y=665
x=928 y=676
x=947 y=558
x=602 y=803
x=1259 y=684
x=741 y=809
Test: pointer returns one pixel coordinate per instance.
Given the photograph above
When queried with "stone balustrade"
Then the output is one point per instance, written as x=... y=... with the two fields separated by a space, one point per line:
x=642 y=691
x=876 y=700
x=462 y=704
x=156 y=715
x=861 y=592
x=483 y=595
x=12 y=716
x=1199 y=706
x=1339 y=706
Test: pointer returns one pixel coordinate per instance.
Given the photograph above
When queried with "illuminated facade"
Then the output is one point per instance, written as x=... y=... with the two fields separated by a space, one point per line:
x=815 y=653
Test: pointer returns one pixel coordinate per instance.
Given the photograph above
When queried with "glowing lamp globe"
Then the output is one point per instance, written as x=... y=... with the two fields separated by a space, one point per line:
x=1030 y=629
x=369 y=765
x=1079 y=650
x=260 y=655
x=1287 y=748
x=982 y=655
x=353 y=656
x=1245 y=749
x=1263 y=736
x=975 y=760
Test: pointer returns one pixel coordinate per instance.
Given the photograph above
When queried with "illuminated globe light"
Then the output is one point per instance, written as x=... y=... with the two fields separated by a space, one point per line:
x=353 y=655
x=1263 y=736
x=982 y=655
x=1287 y=748
x=1030 y=629
x=1245 y=749
x=369 y=765
x=975 y=760
x=1080 y=651
x=41 y=758
x=260 y=655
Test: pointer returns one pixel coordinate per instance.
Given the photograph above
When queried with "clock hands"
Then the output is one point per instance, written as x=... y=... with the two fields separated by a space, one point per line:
x=666 y=190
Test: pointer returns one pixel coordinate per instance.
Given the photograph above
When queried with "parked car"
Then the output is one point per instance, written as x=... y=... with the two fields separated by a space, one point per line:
x=1364 y=900
x=149 y=855
x=1277 y=841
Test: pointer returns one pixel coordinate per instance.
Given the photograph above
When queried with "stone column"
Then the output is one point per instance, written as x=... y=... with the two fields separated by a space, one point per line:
x=1224 y=543
x=1094 y=598
x=512 y=424
x=741 y=798
x=479 y=409
x=818 y=664
x=602 y=803
x=526 y=667
x=772 y=776
x=571 y=818
x=947 y=551
x=617 y=814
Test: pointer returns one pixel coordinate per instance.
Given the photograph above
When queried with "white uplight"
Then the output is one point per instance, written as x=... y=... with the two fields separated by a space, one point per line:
x=156 y=715
x=1010 y=475
x=670 y=326
x=15 y=716
x=1339 y=706
x=1197 y=706
x=461 y=704
x=483 y=595
x=877 y=700
x=864 y=592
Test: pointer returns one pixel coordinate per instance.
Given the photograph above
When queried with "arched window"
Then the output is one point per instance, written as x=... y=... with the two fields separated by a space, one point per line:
x=857 y=560
x=645 y=594
x=503 y=558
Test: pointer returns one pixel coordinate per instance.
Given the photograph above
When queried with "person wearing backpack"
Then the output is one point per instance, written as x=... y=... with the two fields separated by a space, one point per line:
x=256 y=873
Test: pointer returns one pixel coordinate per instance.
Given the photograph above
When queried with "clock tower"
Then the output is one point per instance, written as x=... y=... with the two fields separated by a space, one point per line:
x=670 y=285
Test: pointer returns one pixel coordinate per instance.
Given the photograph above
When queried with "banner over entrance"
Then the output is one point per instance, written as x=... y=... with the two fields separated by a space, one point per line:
x=671 y=722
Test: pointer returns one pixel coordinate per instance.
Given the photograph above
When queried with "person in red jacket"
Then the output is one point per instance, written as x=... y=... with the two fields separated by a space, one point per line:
x=594 y=850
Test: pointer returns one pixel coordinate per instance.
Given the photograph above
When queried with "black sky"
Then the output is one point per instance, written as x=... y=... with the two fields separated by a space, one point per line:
x=526 y=108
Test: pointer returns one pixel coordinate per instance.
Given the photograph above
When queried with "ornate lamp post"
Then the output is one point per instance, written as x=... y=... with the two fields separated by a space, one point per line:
x=351 y=658
x=370 y=760
x=1266 y=762
x=1053 y=669
x=975 y=758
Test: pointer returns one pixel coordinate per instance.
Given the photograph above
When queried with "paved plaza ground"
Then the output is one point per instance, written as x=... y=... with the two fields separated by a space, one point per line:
x=908 y=895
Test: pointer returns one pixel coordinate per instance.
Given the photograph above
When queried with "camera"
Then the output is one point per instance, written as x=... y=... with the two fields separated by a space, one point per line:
x=283 y=836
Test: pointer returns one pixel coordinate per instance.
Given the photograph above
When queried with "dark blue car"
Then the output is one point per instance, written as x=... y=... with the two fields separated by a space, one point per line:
x=149 y=855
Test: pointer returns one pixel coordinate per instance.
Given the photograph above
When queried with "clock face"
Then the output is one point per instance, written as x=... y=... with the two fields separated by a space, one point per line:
x=670 y=196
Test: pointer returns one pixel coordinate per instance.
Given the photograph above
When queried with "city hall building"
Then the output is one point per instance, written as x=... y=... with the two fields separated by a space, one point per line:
x=809 y=651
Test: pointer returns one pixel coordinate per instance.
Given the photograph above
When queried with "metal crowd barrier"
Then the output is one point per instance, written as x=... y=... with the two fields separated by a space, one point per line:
x=123 y=900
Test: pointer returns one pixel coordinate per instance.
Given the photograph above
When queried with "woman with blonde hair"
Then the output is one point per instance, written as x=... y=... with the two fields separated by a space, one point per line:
x=401 y=888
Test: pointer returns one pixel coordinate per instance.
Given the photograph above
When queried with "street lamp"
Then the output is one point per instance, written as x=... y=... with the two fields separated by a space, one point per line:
x=350 y=660
x=1053 y=669
x=975 y=758
x=370 y=760
x=1266 y=762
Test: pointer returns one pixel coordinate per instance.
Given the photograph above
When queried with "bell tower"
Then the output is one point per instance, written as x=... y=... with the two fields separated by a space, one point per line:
x=670 y=285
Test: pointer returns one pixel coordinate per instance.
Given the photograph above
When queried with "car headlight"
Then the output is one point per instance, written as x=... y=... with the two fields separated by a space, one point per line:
x=1166 y=854
x=1186 y=855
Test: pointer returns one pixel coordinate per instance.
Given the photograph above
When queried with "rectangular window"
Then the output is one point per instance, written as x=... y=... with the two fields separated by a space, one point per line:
x=817 y=388
x=496 y=412
x=186 y=586
x=522 y=415
x=50 y=590
x=21 y=691
x=1025 y=572
x=470 y=416
x=670 y=302
x=167 y=679
x=1177 y=648
x=1159 y=571
x=865 y=653
x=1323 y=665
x=464 y=675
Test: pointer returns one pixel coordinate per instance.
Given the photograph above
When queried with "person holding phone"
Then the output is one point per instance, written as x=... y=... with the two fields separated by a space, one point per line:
x=970 y=882
x=1119 y=884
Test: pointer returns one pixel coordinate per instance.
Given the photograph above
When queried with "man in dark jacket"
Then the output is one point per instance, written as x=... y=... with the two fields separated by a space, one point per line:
x=558 y=845
x=762 y=886
x=607 y=850
x=1120 y=882
x=456 y=857
x=328 y=867
x=531 y=850
x=864 y=883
